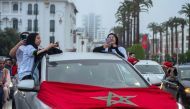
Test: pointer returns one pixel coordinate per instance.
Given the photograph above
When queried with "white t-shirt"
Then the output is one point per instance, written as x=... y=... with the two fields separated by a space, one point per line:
x=19 y=56
x=27 y=61
x=121 y=49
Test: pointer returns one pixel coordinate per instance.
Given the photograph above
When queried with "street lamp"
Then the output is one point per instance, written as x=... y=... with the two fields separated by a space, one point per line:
x=59 y=15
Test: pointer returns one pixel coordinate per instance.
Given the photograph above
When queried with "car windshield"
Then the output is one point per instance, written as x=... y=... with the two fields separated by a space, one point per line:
x=150 y=69
x=184 y=73
x=104 y=73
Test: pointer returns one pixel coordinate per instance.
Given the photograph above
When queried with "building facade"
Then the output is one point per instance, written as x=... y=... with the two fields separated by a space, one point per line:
x=91 y=24
x=55 y=20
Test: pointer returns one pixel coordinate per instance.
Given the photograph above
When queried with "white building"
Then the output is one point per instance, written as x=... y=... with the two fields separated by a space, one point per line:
x=55 y=20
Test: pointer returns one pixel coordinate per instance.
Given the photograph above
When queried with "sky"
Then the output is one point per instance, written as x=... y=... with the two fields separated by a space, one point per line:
x=161 y=11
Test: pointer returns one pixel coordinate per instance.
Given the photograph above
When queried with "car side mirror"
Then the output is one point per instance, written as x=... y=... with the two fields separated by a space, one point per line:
x=26 y=85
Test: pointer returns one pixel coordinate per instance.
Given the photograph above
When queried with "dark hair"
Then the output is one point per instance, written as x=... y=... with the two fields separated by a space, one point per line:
x=131 y=53
x=117 y=40
x=31 y=39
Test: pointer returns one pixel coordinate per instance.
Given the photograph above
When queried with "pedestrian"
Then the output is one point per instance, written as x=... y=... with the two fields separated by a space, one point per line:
x=112 y=45
x=14 y=68
x=31 y=51
x=6 y=79
x=132 y=59
x=1 y=82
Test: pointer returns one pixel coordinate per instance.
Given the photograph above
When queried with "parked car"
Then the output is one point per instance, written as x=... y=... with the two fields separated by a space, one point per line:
x=178 y=84
x=151 y=71
x=89 y=81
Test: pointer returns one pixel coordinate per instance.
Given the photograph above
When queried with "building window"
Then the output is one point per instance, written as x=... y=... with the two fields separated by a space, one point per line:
x=52 y=9
x=52 y=39
x=15 y=7
x=29 y=9
x=29 y=25
x=15 y=24
x=36 y=9
x=35 y=25
x=52 y=25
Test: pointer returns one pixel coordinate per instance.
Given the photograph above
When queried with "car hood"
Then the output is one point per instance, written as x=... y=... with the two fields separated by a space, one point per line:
x=185 y=83
x=77 y=96
x=153 y=78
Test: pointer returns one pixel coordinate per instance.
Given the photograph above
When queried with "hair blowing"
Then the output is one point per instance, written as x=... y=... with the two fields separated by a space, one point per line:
x=31 y=39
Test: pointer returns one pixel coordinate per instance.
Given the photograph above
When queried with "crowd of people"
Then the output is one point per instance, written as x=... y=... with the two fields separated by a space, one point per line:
x=8 y=69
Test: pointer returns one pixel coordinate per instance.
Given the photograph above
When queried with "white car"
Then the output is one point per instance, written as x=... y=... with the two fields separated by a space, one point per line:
x=89 y=74
x=151 y=71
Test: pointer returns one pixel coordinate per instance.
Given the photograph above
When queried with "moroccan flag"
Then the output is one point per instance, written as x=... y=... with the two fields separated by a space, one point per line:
x=76 y=96
x=145 y=41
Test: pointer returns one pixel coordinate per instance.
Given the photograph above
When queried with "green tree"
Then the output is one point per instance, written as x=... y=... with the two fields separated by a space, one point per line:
x=8 y=38
x=188 y=56
x=138 y=50
x=182 y=58
x=182 y=22
x=171 y=25
x=186 y=10
x=153 y=27
x=165 y=25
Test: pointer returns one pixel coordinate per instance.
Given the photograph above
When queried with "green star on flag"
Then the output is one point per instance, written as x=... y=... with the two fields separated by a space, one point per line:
x=110 y=99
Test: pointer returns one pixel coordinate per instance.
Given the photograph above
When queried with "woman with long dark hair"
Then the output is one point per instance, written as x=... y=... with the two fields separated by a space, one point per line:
x=112 y=45
x=29 y=53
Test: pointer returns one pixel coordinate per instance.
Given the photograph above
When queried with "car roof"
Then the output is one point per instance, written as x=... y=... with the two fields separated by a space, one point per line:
x=82 y=56
x=147 y=62
x=183 y=66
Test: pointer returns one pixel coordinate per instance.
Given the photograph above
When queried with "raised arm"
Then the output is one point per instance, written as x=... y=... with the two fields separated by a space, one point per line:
x=12 y=52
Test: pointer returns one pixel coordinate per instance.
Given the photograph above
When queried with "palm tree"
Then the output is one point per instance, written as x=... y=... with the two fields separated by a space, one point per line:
x=160 y=29
x=171 y=25
x=165 y=25
x=118 y=31
x=140 y=6
x=182 y=22
x=153 y=27
x=186 y=10
x=176 y=24
x=123 y=16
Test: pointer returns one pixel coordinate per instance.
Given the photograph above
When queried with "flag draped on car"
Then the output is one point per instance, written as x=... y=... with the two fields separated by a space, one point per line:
x=77 y=96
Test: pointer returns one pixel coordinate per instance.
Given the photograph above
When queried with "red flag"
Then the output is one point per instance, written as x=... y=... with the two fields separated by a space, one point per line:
x=145 y=41
x=77 y=96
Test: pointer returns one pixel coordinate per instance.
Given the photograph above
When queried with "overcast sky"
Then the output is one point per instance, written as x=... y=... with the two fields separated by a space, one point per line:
x=161 y=11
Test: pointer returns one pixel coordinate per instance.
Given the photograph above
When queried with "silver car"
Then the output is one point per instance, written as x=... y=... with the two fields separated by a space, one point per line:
x=94 y=69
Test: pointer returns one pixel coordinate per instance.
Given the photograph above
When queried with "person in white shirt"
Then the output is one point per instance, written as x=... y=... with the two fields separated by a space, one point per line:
x=31 y=51
x=17 y=50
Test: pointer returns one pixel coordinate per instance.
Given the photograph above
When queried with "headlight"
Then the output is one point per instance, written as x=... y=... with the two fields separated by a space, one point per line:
x=187 y=90
x=180 y=106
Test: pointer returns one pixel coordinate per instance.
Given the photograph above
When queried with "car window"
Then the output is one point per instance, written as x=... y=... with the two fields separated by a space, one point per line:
x=105 y=73
x=184 y=73
x=150 y=69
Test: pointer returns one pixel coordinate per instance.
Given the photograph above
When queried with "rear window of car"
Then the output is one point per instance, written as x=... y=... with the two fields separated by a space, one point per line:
x=104 y=73
x=150 y=69
x=184 y=73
